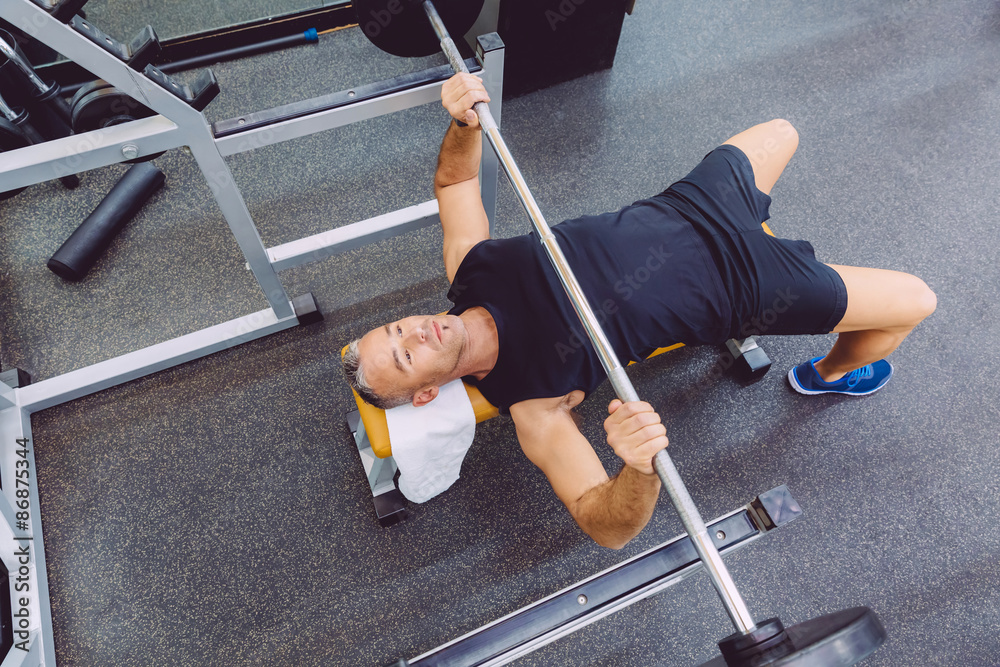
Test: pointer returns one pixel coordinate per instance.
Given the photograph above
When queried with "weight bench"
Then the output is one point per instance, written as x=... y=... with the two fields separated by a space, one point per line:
x=371 y=431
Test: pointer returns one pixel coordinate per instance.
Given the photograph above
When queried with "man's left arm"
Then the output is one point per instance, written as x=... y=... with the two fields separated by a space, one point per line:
x=610 y=510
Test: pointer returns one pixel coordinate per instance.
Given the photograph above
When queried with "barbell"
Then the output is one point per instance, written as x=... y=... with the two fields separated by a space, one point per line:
x=414 y=28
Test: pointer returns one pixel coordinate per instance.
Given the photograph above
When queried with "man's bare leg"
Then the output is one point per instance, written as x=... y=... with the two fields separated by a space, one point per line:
x=883 y=307
x=769 y=146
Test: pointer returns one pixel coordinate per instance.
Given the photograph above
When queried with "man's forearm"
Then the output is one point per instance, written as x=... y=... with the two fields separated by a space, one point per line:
x=460 y=155
x=614 y=512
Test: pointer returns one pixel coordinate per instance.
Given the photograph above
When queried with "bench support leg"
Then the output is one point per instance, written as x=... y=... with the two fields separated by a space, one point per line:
x=751 y=362
x=390 y=505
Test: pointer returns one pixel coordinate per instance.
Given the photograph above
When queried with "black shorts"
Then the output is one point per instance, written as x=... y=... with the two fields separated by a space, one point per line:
x=777 y=285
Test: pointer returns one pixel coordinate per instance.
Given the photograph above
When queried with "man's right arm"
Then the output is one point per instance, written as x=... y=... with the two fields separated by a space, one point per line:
x=456 y=183
x=460 y=155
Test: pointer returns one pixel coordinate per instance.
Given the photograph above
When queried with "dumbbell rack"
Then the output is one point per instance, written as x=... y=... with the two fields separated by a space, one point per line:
x=179 y=123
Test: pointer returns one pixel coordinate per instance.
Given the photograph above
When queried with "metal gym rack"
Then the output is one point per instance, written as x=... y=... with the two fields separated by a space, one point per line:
x=177 y=123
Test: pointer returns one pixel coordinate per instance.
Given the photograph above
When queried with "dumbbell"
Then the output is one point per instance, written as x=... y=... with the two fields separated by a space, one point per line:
x=52 y=113
x=16 y=132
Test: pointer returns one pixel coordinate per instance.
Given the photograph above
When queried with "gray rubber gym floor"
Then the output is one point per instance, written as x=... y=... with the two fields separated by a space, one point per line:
x=216 y=513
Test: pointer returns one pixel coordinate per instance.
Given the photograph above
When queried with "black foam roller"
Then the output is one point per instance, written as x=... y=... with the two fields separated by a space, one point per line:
x=85 y=246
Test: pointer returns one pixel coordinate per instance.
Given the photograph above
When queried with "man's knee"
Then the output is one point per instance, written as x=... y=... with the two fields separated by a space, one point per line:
x=924 y=300
x=918 y=301
x=786 y=132
x=776 y=137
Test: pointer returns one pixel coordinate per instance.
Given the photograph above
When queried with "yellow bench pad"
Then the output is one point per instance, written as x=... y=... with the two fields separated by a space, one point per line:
x=378 y=429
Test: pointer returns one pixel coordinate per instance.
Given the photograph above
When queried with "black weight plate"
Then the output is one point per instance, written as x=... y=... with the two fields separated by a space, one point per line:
x=401 y=27
x=11 y=138
x=838 y=639
x=96 y=106
x=87 y=89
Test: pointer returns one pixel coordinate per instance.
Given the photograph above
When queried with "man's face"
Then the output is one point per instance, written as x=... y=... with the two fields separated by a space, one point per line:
x=413 y=353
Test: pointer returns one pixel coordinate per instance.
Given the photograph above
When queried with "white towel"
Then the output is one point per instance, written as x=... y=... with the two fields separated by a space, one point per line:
x=430 y=442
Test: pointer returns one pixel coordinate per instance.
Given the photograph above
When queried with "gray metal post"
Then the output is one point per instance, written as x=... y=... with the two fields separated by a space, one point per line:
x=490 y=51
x=719 y=574
x=234 y=209
x=7 y=396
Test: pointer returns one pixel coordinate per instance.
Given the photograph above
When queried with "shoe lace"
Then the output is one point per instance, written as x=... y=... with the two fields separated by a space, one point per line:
x=856 y=376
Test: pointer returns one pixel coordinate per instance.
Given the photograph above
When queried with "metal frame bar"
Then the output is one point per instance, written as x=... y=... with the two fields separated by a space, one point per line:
x=354 y=235
x=83 y=152
x=275 y=133
x=390 y=506
x=378 y=471
x=180 y=125
x=490 y=52
x=177 y=124
x=8 y=398
x=118 y=370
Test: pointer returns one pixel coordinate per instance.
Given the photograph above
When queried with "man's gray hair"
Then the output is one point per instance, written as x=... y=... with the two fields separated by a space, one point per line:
x=356 y=377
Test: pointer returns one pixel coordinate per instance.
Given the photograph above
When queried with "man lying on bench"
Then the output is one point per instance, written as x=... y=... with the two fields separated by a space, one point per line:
x=691 y=264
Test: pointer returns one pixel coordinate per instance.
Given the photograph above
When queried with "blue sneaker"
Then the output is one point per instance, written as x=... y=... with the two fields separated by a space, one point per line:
x=865 y=380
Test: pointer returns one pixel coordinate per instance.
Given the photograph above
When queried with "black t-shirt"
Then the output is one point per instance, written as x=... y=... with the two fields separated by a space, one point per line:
x=648 y=273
